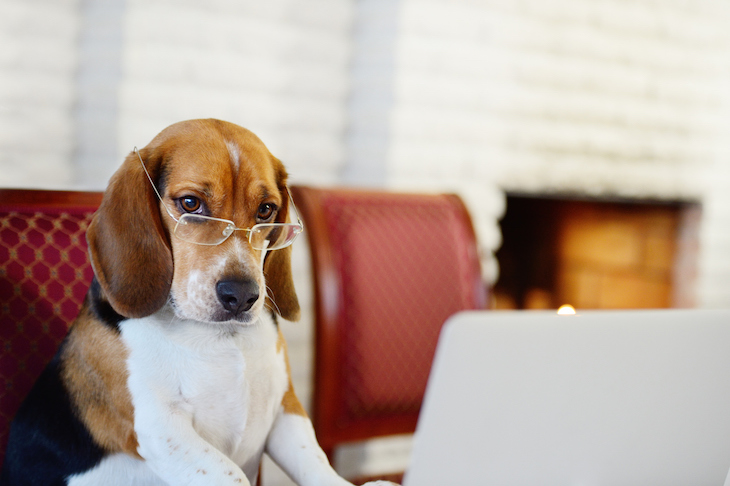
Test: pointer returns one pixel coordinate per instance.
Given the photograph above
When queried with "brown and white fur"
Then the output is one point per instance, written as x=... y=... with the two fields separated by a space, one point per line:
x=157 y=382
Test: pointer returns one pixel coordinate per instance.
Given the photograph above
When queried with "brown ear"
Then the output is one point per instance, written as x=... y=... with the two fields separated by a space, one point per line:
x=129 y=250
x=277 y=266
x=277 y=271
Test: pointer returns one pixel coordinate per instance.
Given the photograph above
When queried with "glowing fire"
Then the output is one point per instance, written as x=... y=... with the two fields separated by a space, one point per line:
x=566 y=310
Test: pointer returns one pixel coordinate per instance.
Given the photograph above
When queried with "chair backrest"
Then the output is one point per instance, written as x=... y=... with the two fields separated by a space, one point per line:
x=389 y=269
x=44 y=276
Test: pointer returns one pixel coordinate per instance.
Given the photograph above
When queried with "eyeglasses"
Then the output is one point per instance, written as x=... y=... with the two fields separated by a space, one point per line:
x=205 y=230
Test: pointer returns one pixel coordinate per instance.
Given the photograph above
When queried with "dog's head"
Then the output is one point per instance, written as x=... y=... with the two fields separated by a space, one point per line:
x=204 y=167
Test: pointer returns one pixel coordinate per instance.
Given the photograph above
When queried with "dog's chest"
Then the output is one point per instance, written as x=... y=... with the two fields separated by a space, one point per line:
x=230 y=385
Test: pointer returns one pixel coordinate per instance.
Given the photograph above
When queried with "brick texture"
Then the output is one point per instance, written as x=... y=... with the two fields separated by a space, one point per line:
x=278 y=68
x=37 y=66
x=598 y=98
x=617 y=258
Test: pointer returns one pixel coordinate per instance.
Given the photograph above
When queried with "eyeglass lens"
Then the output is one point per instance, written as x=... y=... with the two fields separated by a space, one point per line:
x=273 y=236
x=207 y=231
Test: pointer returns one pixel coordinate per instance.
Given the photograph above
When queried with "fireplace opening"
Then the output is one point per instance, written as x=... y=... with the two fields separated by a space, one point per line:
x=597 y=254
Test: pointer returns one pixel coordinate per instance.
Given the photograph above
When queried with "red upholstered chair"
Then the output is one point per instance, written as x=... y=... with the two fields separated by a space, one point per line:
x=44 y=276
x=389 y=269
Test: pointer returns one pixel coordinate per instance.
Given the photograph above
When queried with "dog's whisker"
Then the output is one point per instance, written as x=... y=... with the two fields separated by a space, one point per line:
x=270 y=293
x=274 y=308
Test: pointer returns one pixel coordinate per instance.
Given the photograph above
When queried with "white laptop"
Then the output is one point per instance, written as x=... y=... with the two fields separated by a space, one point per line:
x=612 y=398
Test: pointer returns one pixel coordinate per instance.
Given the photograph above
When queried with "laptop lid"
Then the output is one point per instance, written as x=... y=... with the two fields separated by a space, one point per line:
x=601 y=398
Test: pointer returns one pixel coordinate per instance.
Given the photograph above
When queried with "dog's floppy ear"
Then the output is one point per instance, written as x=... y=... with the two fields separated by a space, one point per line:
x=130 y=252
x=277 y=267
x=277 y=270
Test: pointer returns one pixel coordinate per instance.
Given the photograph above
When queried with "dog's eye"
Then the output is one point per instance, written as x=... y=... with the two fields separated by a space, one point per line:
x=190 y=204
x=266 y=212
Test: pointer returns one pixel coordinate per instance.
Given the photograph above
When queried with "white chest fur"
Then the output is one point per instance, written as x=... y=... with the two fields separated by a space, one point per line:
x=220 y=383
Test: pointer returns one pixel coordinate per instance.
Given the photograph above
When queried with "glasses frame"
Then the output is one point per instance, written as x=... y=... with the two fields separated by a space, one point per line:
x=231 y=227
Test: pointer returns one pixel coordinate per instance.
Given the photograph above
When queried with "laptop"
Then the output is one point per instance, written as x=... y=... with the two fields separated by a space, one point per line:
x=613 y=398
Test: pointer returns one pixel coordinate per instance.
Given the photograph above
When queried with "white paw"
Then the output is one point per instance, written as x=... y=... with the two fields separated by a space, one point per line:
x=379 y=483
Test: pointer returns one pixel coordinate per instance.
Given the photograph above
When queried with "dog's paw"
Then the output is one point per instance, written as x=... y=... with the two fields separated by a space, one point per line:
x=380 y=483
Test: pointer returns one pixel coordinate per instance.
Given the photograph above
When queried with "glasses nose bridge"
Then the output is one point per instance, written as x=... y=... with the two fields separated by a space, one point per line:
x=231 y=229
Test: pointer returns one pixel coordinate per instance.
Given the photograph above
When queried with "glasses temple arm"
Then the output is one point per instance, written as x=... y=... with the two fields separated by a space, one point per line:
x=153 y=185
x=291 y=200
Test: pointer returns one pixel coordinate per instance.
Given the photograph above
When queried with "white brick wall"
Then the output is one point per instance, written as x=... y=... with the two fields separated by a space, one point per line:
x=37 y=66
x=597 y=97
x=714 y=286
x=278 y=68
x=100 y=47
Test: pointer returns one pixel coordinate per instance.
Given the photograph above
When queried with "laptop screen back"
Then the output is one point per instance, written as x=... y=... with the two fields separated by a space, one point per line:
x=601 y=398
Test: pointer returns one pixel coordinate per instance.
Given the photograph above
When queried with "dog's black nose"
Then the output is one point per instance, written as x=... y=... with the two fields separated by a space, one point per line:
x=237 y=295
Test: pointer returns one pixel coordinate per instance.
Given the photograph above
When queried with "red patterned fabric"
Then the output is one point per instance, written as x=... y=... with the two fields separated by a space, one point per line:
x=389 y=270
x=44 y=276
x=404 y=271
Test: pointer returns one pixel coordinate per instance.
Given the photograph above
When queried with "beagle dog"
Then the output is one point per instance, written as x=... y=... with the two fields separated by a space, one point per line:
x=175 y=372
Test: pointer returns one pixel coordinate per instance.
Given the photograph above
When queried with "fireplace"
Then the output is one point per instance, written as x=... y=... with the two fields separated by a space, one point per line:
x=597 y=253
